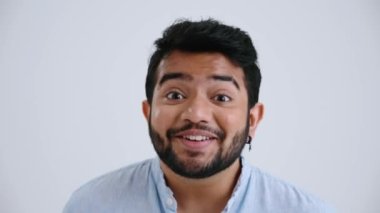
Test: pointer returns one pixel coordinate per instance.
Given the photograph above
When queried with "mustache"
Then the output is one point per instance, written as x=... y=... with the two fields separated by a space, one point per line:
x=173 y=131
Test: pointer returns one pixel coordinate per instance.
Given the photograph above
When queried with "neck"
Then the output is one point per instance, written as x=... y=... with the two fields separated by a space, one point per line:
x=209 y=194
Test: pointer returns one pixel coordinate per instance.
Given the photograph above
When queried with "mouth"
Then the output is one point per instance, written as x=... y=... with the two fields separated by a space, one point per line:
x=196 y=139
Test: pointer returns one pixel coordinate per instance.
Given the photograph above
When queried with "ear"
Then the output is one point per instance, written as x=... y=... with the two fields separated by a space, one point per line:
x=256 y=113
x=146 y=109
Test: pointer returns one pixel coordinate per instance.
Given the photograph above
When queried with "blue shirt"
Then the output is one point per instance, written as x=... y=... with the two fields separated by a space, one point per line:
x=141 y=187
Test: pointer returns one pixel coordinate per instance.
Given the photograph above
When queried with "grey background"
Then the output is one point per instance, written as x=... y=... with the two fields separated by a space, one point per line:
x=72 y=81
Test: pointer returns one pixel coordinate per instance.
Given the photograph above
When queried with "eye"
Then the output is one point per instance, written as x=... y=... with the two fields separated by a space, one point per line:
x=222 y=98
x=174 y=95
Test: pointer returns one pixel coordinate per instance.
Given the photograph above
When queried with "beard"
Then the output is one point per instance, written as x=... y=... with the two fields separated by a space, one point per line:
x=222 y=159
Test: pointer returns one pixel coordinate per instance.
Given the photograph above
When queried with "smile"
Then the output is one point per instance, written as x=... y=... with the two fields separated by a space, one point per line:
x=196 y=137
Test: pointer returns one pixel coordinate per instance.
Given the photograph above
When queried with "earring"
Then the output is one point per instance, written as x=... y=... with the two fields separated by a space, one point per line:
x=249 y=139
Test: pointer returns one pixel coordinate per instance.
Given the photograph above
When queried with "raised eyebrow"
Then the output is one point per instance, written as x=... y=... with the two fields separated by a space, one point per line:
x=226 y=78
x=174 y=75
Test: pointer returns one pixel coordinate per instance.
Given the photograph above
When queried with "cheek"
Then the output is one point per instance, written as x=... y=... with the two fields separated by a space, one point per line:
x=156 y=117
x=155 y=113
x=229 y=119
x=233 y=122
x=162 y=118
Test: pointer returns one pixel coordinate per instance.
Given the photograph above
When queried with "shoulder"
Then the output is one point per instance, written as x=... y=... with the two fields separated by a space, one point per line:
x=119 y=179
x=275 y=194
x=111 y=188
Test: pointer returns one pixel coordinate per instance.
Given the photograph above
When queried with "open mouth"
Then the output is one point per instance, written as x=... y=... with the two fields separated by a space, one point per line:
x=197 y=138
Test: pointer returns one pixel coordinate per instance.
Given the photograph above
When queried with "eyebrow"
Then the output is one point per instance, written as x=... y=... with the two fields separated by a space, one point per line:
x=174 y=75
x=226 y=78
x=183 y=76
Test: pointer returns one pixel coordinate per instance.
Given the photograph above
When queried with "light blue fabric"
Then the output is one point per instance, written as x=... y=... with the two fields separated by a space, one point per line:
x=141 y=188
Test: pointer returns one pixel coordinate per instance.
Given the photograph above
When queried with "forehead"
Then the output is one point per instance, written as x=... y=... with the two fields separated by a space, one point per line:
x=199 y=65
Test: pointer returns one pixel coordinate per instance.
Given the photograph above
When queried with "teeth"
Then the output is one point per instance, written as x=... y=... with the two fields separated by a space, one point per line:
x=196 y=137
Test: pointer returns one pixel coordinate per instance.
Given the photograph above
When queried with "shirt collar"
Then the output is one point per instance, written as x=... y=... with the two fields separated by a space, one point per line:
x=166 y=194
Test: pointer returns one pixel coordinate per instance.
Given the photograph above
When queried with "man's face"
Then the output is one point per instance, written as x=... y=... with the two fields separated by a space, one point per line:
x=199 y=118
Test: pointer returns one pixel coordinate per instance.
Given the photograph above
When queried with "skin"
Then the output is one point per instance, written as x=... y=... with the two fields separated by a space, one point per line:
x=195 y=96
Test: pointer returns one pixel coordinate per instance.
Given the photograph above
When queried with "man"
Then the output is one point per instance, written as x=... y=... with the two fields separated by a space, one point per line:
x=202 y=108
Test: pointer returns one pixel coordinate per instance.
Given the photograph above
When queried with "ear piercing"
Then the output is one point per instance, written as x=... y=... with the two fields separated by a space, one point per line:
x=249 y=139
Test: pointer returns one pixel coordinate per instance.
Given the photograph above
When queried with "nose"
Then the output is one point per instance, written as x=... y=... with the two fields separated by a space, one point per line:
x=197 y=110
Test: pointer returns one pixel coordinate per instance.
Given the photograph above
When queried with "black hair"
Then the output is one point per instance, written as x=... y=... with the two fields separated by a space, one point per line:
x=207 y=36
